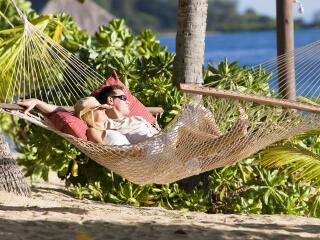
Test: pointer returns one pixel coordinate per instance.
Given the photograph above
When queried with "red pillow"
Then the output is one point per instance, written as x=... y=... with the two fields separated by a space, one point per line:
x=136 y=107
x=67 y=122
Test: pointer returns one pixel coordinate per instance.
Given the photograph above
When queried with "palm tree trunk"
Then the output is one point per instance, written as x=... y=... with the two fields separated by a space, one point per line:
x=285 y=45
x=11 y=178
x=189 y=60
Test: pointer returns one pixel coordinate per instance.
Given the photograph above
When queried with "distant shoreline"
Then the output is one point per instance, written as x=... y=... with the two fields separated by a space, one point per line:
x=249 y=48
x=173 y=34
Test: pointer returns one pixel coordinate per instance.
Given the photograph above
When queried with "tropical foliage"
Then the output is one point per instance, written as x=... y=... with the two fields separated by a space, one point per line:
x=146 y=68
x=8 y=13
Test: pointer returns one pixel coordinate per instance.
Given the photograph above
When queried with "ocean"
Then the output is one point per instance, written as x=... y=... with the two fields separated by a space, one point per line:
x=249 y=48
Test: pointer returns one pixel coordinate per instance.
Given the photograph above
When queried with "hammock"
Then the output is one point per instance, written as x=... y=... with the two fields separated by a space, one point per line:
x=232 y=127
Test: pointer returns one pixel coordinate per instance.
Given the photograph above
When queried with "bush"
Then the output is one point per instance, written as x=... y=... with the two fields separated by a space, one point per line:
x=146 y=68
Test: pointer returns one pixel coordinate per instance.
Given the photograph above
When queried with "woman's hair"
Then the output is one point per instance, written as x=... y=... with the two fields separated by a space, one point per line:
x=85 y=105
x=106 y=92
x=89 y=119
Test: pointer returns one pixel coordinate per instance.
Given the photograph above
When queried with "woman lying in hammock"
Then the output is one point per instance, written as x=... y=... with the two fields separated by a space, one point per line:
x=108 y=123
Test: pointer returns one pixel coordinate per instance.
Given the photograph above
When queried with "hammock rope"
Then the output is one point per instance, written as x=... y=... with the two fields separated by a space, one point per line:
x=232 y=126
x=11 y=179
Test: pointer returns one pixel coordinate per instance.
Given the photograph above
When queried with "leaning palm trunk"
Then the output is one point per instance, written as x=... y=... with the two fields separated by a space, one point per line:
x=11 y=178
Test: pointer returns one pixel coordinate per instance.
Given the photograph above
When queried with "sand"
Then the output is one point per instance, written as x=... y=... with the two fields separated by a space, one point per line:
x=53 y=213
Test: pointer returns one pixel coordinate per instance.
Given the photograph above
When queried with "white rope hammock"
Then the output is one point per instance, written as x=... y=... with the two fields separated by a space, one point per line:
x=198 y=140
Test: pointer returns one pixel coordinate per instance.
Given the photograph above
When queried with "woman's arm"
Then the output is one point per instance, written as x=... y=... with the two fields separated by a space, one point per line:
x=40 y=105
x=95 y=135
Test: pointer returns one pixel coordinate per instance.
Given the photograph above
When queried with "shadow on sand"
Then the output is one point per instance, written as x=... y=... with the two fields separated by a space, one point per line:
x=87 y=230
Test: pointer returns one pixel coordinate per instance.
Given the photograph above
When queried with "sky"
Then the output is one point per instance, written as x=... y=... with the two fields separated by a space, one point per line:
x=268 y=7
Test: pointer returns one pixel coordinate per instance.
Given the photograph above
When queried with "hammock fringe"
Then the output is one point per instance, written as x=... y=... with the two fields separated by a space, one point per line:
x=11 y=178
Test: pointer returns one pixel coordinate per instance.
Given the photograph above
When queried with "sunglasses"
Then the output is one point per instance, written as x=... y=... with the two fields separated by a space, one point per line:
x=121 y=97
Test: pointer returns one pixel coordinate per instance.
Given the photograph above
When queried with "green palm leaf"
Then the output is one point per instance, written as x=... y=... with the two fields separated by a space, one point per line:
x=297 y=160
x=12 y=51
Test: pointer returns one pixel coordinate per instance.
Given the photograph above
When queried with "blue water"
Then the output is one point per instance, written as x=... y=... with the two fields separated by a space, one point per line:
x=249 y=48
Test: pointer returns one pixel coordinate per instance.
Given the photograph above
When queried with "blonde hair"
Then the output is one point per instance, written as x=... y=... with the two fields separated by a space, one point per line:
x=88 y=117
x=85 y=105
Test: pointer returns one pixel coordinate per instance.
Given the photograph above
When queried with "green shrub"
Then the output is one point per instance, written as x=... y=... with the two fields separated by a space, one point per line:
x=146 y=68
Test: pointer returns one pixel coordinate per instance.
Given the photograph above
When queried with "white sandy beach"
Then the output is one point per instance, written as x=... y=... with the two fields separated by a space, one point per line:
x=53 y=213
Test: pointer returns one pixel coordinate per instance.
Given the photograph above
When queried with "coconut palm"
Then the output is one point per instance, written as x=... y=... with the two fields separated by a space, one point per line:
x=299 y=156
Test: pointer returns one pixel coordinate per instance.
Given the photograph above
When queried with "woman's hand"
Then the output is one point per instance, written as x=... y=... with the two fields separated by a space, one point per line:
x=43 y=107
x=29 y=104
x=106 y=106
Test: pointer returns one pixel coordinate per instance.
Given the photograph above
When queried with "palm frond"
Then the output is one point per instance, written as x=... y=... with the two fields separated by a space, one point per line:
x=297 y=160
x=312 y=133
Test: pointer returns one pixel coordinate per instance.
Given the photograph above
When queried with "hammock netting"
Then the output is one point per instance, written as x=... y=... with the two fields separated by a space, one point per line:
x=213 y=132
x=11 y=179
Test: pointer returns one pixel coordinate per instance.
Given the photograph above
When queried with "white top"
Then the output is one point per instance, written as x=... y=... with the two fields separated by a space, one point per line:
x=135 y=128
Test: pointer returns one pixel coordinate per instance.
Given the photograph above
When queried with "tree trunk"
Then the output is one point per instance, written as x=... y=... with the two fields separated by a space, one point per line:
x=190 y=44
x=11 y=178
x=189 y=60
x=285 y=45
